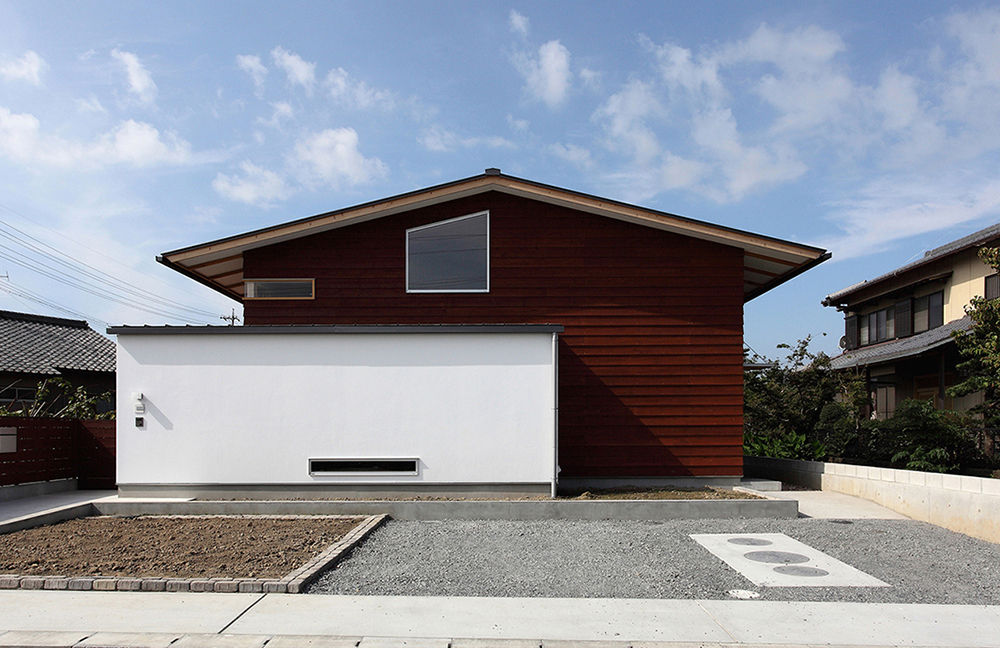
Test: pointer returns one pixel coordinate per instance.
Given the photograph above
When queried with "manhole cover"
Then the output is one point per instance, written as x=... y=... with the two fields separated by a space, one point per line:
x=751 y=542
x=800 y=570
x=784 y=557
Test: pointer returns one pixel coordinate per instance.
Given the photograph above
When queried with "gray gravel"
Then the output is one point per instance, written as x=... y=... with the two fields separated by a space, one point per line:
x=923 y=563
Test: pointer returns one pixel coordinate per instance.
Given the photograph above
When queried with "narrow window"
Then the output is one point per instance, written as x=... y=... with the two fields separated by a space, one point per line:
x=935 y=310
x=851 y=332
x=903 y=318
x=890 y=323
x=873 y=327
x=278 y=289
x=993 y=286
x=864 y=330
x=348 y=466
x=449 y=256
x=881 y=322
x=920 y=314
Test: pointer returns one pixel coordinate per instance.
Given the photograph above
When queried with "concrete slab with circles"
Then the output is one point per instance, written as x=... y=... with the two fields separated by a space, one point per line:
x=777 y=560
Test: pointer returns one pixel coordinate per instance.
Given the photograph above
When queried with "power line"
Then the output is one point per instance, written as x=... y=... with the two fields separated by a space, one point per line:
x=98 y=274
x=78 y=244
x=25 y=294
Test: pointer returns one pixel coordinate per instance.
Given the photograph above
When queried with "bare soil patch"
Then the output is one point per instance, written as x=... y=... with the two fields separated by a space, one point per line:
x=626 y=493
x=171 y=546
x=706 y=493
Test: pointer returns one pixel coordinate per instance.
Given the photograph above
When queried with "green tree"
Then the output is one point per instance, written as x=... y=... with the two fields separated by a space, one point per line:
x=800 y=406
x=58 y=398
x=979 y=348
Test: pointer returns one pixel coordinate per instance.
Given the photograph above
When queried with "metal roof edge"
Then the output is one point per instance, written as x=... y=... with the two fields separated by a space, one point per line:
x=488 y=176
x=338 y=328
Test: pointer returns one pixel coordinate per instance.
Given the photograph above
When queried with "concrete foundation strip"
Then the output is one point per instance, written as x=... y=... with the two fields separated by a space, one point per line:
x=292 y=583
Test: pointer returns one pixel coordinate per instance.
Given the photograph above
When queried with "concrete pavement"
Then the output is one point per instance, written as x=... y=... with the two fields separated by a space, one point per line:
x=832 y=505
x=45 y=618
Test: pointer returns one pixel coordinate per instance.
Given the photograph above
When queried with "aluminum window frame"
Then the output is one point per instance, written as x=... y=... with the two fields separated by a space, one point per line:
x=409 y=290
x=312 y=288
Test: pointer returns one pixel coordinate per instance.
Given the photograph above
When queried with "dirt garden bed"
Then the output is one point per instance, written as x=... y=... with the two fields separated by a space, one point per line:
x=627 y=493
x=186 y=547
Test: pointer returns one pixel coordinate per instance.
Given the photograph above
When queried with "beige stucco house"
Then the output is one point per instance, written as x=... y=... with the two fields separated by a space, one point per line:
x=898 y=326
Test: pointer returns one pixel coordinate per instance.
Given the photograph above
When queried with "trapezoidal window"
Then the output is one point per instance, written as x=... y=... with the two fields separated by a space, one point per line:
x=278 y=288
x=449 y=256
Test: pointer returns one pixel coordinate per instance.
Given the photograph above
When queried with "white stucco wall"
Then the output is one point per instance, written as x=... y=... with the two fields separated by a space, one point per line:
x=253 y=408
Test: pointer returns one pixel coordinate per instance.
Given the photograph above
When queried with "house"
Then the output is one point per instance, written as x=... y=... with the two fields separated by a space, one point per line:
x=36 y=347
x=898 y=326
x=487 y=334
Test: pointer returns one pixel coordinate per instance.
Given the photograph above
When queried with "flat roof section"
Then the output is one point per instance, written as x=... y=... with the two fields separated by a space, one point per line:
x=340 y=328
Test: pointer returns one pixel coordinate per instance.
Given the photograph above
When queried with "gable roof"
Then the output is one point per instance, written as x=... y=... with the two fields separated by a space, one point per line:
x=39 y=344
x=976 y=239
x=767 y=261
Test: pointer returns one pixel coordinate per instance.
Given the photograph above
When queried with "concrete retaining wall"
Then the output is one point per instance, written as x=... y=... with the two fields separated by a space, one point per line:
x=473 y=510
x=969 y=505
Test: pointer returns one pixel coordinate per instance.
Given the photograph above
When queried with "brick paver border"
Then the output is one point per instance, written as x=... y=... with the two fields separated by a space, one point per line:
x=294 y=582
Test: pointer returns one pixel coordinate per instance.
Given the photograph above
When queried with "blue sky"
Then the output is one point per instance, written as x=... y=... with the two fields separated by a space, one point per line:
x=129 y=129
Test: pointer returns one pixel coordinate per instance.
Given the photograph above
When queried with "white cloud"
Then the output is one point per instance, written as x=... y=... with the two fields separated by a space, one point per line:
x=442 y=140
x=573 y=154
x=591 y=78
x=299 y=71
x=627 y=114
x=131 y=142
x=682 y=72
x=90 y=104
x=331 y=157
x=518 y=125
x=140 y=144
x=27 y=68
x=898 y=207
x=547 y=76
x=282 y=110
x=356 y=94
x=518 y=23
x=140 y=83
x=742 y=168
x=256 y=186
x=252 y=65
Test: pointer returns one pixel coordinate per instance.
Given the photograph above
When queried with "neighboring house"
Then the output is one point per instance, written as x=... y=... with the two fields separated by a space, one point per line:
x=898 y=326
x=36 y=347
x=479 y=334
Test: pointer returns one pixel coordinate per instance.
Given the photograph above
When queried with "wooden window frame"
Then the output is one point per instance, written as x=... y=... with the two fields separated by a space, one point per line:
x=312 y=289
x=485 y=213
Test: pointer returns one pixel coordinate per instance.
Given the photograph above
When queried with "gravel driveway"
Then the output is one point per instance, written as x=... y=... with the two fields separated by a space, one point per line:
x=923 y=563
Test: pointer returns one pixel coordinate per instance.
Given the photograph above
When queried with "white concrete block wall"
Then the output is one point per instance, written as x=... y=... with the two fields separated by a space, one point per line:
x=969 y=505
x=253 y=408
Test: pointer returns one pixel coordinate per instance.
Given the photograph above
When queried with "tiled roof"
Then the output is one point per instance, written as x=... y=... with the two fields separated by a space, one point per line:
x=45 y=345
x=972 y=240
x=901 y=348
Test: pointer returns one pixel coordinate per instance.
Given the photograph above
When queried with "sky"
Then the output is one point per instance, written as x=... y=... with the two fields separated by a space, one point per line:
x=128 y=129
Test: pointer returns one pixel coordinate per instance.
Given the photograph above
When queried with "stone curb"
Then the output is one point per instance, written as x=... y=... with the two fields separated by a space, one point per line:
x=292 y=583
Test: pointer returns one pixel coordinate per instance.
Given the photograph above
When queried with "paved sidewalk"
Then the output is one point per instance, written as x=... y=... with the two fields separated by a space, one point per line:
x=18 y=508
x=60 y=619
x=833 y=505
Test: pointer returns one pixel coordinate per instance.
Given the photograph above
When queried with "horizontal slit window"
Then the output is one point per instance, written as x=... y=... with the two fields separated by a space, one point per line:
x=348 y=466
x=278 y=288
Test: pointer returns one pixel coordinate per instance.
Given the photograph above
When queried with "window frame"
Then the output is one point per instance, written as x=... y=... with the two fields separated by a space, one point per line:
x=485 y=213
x=312 y=289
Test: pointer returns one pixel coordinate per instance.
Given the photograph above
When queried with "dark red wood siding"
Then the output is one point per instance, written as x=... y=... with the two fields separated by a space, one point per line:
x=650 y=364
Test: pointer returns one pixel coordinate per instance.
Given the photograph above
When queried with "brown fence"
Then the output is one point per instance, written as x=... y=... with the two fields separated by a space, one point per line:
x=48 y=449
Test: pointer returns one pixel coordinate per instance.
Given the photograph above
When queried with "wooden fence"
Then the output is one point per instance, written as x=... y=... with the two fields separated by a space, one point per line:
x=48 y=449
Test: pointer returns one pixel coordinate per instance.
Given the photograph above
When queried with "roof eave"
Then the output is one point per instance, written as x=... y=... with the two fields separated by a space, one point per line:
x=777 y=281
